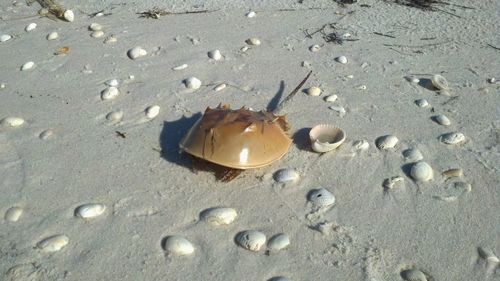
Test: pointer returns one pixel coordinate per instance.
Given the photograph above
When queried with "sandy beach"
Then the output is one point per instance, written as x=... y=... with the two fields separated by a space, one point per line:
x=91 y=120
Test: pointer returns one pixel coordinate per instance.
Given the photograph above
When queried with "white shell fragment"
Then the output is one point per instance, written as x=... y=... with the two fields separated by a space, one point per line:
x=452 y=138
x=412 y=155
x=192 y=83
x=250 y=14
x=413 y=275
x=315 y=48
x=361 y=145
x=13 y=214
x=321 y=198
x=339 y=109
x=110 y=39
x=30 y=27
x=27 y=66
x=220 y=87
x=12 y=122
x=313 y=91
x=422 y=103
x=341 y=59
x=331 y=98
x=177 y=246
x=325 y=138
x=110 y=93
x=442 y=120
x=286 y=176
x=47 y=134
x=421 y=171
x=215 y=55
x=439 y=82
x=152 y=111
x=253 y=41
x=251 y=240
x=89 y=211
x=97 y=34
x=95 y=26
x=69 y=15
x=278 y=242
x=412 y=79
x=390 y=182
x=180 y=67
x=136 y=53
x=53 y=243
x=52 y=36
x=488 y=255
x=219 y=216
x=115 y=116
x=5 y=37
x=386 y=142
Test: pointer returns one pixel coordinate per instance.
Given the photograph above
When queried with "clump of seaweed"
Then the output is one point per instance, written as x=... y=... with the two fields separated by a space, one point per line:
x=330 y=34
x=429 y=5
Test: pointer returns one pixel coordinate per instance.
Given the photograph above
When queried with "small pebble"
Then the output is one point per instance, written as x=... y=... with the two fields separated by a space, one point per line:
x=136 y=53
x=52 y=36
x=192 y=83
x=5 y=37
x=180 y=67
x=95 y=27
x=13 y=214
x=110 y=93
x=331 y=98
x=422 y=103
x=12 y=122
x=215 y=55
x=452 y=138
x=313 y=91
x=46 y=135
x=89 y=211
x=115 y=116
x=250 y=14
x=53 y=243
x=220 y=87
x=27 y=66
x=341 y=59
x=315 y=48
x=253 y=41
x=30 y=27
x=350 y=76
x=441 y=120
x=152 y=111
x=97 y=34
x=69 y=15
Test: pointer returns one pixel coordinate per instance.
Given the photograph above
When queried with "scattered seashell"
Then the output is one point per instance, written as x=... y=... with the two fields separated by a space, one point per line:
x=386 y=142
x=12 y=122
x=350 y=76
x=250 y=14
x=136 y=53
x=112 y=83
x=492 y=80
x=331 y=98
x=97 y=34
x=279 y=278
x=215 y=55
x=53 y=243
x=321 y=198
x=47 y=134
x=53 y=35
x=412 y=155
x=253 y=41
x=339 y=109
x=220 y=87
x=13 y=214
x=441 y=119
x=422 y=103
x=89 y=211
x=278 y=242
x=152 y=111
x=313 y=91
x=362 y=87
x=177 y=246
x=341 y=59
x=95 y=27
x=452 y=138
x=413 y=275
x=251 y=240
x=192 y=83
x=115 y=116
x=286 y=176
x=439 y=82
x=69 y=15
x=5 y=37
x=180 y=67
x=326 y=137
x=219 y=216
x=421 y=171
x=488 y=255
x=390 y=182
x=314 y=48
x=110 y=93
x=30 y=27
x=453 y=173
x=244 y=49
x=27 y=66
x=361 y=145
x=110 y=39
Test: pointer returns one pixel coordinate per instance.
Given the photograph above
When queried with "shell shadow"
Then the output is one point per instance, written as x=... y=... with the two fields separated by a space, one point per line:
x=301 y=139
x=427 y=84
x=406 y=168
x=274 y=102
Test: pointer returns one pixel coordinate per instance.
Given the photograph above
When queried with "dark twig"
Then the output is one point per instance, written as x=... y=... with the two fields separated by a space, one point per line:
x=386 y=35
x=156 y=13
x=418 y=46
x=496 y=48
x=292 y=94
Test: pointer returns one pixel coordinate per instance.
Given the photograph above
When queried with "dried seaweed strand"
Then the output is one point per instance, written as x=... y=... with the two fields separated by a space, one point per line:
x=292 y=94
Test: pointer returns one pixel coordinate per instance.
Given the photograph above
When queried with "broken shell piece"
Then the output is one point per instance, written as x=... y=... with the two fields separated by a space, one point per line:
x=453 y=173
x=251 y=240
x=12 y=122
x=452 y=138
x=136 y=53
x=152 y=111
x=97 y=34
x=110 y=93
x=439 y=82
x=13 y=214
x=441 y=120
x=5 y=37
x=331 y=98
x=422 y=103
x=339 y=109
x=177 y=246
x=386 y=142
x=30 y=27
x=95 y=26
x=315 y=48
x=180 y=67
x=413 y=275
x=53 y=243
x=488 y=255
x=286 y=176
x=326 y=137
x=27 y=66
x=112 y=83
x=52 y=36
x=492 y=80
x=215 y=55
x=192 y=83
x=220 y=87
x=278 y=242
x=91 y=210
x=115 y=116
x=412 y=155
x=253 y=41
x=390 y=182
x=361 y=145
x=250 y=14
x=313 y=91
x=421 y=171
x=341 y=59
x=219 y=216
x=69 y=15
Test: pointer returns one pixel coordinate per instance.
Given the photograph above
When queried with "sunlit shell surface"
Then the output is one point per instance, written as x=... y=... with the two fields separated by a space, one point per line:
x=239 y=139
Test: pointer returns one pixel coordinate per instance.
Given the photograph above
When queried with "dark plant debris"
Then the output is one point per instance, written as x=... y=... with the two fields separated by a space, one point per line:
x=50 y=9
x=345 y=2
x=429 y=5
x=121 y=134
x=156 y=13
x=330 y=33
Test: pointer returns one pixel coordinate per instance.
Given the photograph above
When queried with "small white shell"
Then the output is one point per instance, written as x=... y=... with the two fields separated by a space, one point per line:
x=286 y=176
x=69 y=15
x=13 y=214
x=215 y=55
x=390 y=182
x=30 y=27
x=413 y=275
x=488 y=255
x=412 y=155
x=192 y=83
x=250 y=14
x=313 y=91
x=331 y=98
x=386 y=142
x=136 y=53
x=53 y=243
x=361 y=145
x=452 y=138
x=326 y=137
x=441 y=119
x=421 y=171
x=219 y=216
x=97 y=34
x=339 y=109
x=279 y=278
x=5 y=37
x=27 y=66
x=220 y=87
x=177 y=246
x=91 y=210
x=341 y=59
x=251 y=240
x=112 y=82
x=52 y=36
x=321 y=198
x=110 y=93
x=422 y=103
x=439 y=82
x=115 y=116
x=278 y=242
x=314 y=48
x=412 y=79
x=253 y=41
x=180 y=67
x=47 y=134
x=152 y=111
x=95 y=26
x=492 y=80
x=12 y=122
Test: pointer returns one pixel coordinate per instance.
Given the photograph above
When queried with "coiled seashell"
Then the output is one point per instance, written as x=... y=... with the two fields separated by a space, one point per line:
x=219 y=216
x=192 y=83
x=452 y=138
x=91 y=210
x=439 y=82
x=421 y=171
x=286 y=175
x=13 y=214
x=110 y=93
x=177 y=246
x=53 y=243
x=326 y=137
x=441 y=120
x=12 y=122
x=321 y=198
x=386 y=142
x=412 y=155
x=413 y=275
x=251 y=240
x=278 y=242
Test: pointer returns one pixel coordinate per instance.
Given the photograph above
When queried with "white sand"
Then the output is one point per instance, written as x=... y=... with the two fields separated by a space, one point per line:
x=149 y=197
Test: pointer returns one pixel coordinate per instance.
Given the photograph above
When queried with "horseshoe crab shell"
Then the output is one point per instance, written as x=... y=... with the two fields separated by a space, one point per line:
x=238 y=139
